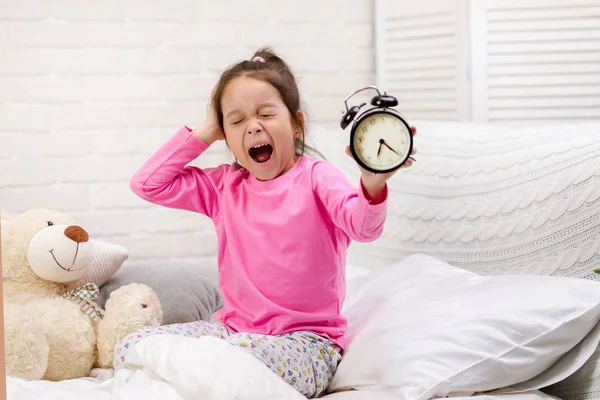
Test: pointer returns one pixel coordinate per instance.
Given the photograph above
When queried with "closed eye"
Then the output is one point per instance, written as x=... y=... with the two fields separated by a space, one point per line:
x=266 y=115
x=237 y=122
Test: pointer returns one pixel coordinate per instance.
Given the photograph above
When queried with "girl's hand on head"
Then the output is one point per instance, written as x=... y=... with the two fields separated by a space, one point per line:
x=209 y=131
x=374 y=184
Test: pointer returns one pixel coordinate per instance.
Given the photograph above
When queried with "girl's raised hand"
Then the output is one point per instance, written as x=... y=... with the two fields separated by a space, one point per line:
x=210 y=130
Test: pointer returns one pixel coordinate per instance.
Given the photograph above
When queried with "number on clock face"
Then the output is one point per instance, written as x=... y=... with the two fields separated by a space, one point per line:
x=381 y=141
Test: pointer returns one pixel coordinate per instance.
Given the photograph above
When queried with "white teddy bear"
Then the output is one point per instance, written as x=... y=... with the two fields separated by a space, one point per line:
x=54 y=332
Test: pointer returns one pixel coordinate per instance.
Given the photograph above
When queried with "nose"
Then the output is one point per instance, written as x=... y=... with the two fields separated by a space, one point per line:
x=76 y=234
x=254 y=128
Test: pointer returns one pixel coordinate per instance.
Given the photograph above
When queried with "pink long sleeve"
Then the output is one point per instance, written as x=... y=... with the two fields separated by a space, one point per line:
x=167 y=180
x=282 y=243
x=348 y=207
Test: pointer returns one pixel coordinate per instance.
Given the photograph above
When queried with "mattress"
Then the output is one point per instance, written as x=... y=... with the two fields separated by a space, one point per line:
x=142 y=385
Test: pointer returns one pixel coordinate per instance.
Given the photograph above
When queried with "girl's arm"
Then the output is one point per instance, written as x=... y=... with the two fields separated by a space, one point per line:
x=360 y=213
x=351 y=209
x=166 y=180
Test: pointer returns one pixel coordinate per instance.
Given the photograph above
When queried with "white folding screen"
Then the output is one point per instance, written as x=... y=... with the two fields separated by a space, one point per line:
x=510 y=61
x=422 y=54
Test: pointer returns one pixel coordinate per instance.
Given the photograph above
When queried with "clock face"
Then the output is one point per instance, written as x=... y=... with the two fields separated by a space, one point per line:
x=381 y=142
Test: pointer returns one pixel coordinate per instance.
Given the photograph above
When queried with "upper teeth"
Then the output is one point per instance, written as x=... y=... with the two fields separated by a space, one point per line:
x=260 y=145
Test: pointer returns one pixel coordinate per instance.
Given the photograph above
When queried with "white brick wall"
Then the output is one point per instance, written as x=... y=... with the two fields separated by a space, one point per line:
x=89 y=89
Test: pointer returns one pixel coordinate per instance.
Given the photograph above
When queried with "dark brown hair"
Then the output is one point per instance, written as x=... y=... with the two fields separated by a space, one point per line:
x=276 y=72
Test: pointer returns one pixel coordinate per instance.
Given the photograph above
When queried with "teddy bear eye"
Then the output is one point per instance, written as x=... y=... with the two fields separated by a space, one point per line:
x=50 y=223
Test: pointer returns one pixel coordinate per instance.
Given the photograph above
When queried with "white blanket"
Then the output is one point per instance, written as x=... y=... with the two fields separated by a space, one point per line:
x=176 y=368
x=171 y=368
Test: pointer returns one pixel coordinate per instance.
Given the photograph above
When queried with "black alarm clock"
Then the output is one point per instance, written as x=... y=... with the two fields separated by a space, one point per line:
x=380 y=139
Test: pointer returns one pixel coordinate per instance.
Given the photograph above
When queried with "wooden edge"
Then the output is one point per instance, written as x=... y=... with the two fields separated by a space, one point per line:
x=2 y=348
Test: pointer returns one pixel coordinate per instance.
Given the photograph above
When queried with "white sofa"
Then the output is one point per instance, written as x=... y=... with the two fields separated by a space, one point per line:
x=494 y=200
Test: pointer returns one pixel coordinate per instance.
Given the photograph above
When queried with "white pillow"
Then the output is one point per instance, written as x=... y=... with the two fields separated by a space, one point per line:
x=353 y=271
x=108 y=258
x=215 y=370
x=424 y=329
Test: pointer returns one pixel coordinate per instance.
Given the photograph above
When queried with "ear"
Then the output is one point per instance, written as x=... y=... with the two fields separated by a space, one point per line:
x=300 y=129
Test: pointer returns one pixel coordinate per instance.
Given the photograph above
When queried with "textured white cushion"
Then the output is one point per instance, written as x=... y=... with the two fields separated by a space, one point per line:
x=494 y=200
x=585 y=384
x=490 y=199
x=108 y=258
x=424 y=329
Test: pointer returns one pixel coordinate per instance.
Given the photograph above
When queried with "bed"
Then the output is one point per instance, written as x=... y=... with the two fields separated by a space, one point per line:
x=432 y=349
x=482 y=284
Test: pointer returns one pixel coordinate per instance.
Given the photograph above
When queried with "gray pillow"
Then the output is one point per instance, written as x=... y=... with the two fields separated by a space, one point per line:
x=188 y=292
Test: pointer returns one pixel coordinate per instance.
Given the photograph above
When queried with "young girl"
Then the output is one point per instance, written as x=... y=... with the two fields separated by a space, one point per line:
x=284 y=222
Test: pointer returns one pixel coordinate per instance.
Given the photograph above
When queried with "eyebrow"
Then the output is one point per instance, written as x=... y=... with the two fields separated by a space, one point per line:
x=263 y=105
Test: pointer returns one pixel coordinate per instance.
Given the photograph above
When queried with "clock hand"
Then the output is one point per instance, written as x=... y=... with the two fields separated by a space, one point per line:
x=381 y=141
x=379 y=151
x=386 y=145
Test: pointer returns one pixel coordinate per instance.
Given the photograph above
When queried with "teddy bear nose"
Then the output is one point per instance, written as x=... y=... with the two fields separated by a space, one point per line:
x=76 y=234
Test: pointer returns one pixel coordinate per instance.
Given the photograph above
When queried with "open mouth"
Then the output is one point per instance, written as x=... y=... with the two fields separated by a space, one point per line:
x=261 y=153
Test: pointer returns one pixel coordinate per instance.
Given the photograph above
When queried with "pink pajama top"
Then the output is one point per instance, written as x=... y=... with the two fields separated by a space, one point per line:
x=281 y=243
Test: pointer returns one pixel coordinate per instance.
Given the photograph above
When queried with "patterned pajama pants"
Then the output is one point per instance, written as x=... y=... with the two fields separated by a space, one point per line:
x=304 y=360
